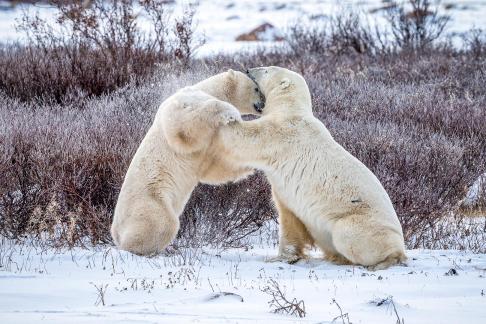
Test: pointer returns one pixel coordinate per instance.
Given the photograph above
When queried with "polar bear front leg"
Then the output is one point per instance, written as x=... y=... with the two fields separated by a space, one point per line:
x=223 y=113
x=293 y=235
x=250 y=143
x=229 y=116
x=148 y=229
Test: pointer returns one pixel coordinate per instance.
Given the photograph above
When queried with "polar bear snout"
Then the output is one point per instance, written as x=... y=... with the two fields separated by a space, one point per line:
x=259 y=106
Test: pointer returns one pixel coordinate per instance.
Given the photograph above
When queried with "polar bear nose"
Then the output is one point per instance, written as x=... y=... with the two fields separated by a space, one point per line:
x=259 y=106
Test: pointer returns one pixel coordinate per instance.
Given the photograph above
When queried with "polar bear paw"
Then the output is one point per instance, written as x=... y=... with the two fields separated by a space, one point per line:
x=396 y=258
x=336 y=259
x=289 y=254
x=229 y=116
x=290 y=259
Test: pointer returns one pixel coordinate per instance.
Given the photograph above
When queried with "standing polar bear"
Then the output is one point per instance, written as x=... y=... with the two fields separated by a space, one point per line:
x=176 y=154
x=324 y=195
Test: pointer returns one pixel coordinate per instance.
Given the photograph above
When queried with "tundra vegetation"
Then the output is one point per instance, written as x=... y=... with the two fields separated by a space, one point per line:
x=78 y=97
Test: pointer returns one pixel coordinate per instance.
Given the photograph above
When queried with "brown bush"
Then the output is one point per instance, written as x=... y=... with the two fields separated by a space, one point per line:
x=93 y=50
x=349 y=32
x=344 y=33
x=62 y=168
x=226 y=215
x=417 y=28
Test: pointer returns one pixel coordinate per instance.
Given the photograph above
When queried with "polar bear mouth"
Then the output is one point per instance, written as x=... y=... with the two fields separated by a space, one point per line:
x=261 y=104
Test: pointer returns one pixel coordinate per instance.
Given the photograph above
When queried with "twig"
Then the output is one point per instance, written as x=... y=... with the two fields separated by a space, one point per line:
x=101 y=293
x=344 y=317
x=279 y=302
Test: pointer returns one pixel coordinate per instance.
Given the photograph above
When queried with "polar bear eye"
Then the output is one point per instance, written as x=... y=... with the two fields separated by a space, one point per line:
x=256 y=89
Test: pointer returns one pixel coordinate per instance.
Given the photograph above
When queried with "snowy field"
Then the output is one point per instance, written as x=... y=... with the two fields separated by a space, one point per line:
x=206 y=286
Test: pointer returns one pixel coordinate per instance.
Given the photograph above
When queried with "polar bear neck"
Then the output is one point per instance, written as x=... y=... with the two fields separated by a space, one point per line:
x=288 y=103
x=220 y=92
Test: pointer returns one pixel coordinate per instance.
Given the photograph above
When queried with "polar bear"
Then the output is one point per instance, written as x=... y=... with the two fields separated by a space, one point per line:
x=175 y=155
x=324 y=195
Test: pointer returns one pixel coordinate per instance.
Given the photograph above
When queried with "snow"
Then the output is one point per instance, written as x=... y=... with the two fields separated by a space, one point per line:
x=187 y=287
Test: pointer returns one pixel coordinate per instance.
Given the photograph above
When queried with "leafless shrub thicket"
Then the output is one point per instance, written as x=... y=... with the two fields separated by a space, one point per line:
x=475 y=41
x=345 y=33
x=418 y=27
x=413 y=25
x=62 y=166
x=415 y=118
x=234 y=212
x=94 y=48
x=61 y=169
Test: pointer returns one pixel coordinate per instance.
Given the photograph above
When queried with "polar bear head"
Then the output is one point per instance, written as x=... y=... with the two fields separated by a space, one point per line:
x=285 y=91
x=237 y=88
x=191 y=118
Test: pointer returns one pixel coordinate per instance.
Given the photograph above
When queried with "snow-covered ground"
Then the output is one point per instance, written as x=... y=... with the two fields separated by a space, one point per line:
x=441 y=286
x=221 y=21
x=436 y=287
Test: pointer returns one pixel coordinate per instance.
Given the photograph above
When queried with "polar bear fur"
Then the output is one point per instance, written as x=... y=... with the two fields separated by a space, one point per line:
x=176 y=154
x=324 y=195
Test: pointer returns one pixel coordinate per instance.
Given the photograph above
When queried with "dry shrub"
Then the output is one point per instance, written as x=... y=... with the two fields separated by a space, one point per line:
x=475 y=41
x=349 y=33
x=413 y=26
x=63 y=166
x=344 y=33
x=93 y=49
x=417 y=28
x=280 y=303
x=226 y=215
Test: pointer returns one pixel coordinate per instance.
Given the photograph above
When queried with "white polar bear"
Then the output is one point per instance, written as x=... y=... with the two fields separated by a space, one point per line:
x=176 y=154
x=324 y=195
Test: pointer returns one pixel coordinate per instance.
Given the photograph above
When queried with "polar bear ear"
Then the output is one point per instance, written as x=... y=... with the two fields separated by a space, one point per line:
x=285 y=83
x=231 y=73
x=181 y=105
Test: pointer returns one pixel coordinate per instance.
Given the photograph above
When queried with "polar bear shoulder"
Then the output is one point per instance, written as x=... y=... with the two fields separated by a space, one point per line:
x=191 y=117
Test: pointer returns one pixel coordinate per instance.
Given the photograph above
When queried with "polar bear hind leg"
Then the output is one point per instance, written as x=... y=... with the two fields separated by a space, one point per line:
x=293 y=235
x=335 y=257
x=366 y=242
x=392 y=259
